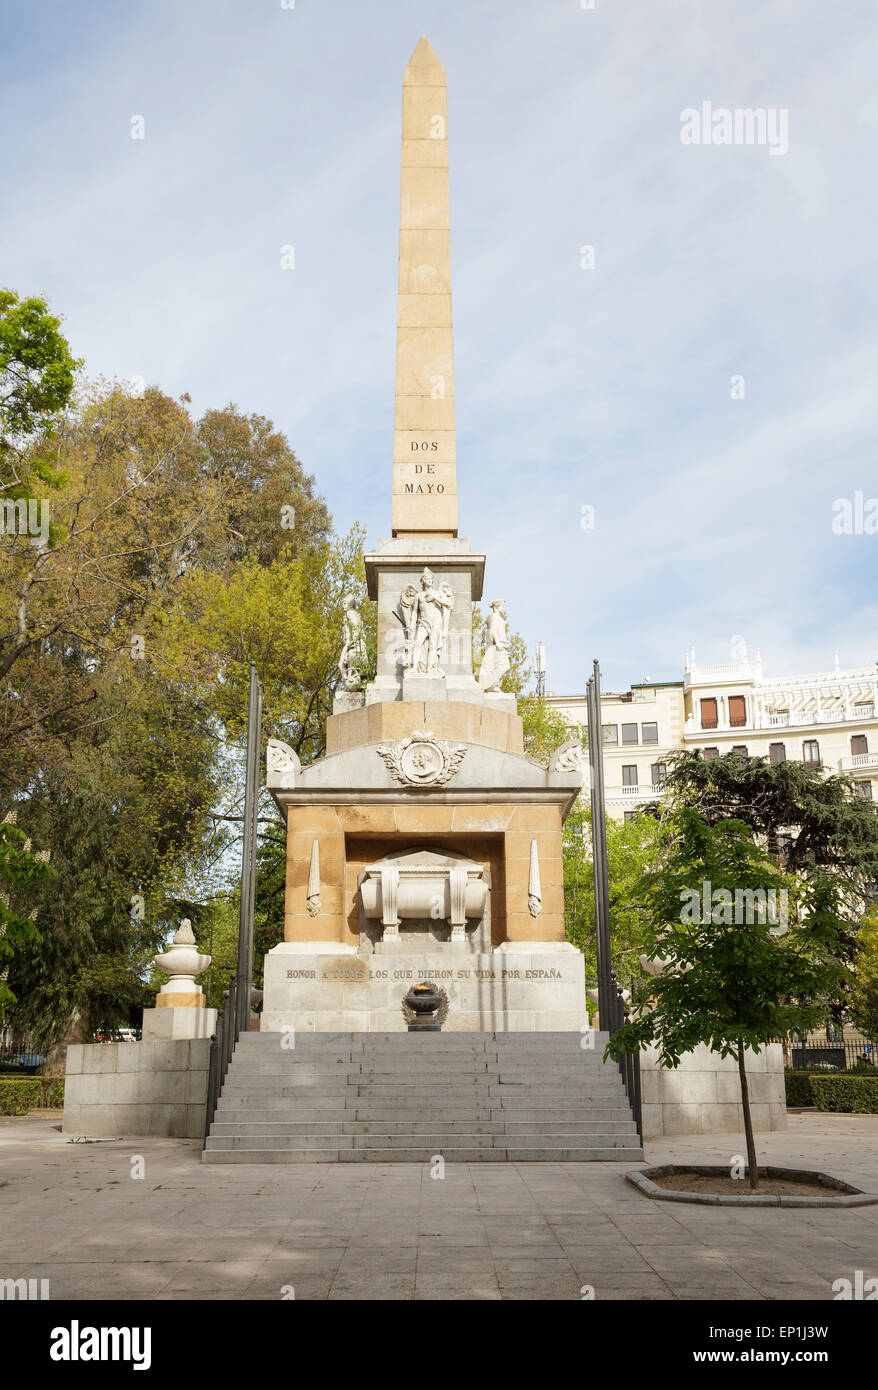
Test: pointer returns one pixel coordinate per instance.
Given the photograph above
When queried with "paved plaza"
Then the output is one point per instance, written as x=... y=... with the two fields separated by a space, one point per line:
x=73 y=1214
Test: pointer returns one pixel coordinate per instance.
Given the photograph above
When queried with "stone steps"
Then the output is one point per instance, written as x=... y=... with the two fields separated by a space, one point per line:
x=406 y=1098
x=435 y=1140
x=424 y=1125
x=425 y=1155
x=386 y=1114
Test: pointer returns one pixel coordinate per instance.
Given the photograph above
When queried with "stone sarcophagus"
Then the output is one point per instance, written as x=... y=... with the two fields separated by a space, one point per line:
x=430 y=895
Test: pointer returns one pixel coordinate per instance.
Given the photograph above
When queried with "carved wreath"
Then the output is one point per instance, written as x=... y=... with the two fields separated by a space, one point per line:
x=422 y=760
x=439 y=1016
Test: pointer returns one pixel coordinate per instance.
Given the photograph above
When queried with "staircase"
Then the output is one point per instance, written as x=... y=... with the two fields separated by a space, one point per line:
x=406 y=1097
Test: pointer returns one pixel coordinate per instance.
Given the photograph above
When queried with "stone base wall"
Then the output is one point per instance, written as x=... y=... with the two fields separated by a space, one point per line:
x=702 y=1095
x=521 y=990
x=157 y=1088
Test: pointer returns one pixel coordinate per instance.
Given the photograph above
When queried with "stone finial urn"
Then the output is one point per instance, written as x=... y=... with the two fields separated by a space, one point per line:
x=181 y=962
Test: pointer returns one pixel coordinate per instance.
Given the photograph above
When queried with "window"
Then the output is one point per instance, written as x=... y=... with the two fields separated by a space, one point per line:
x=629 y=733
x=864 y=790
x=611 y=733
x=629 y=775
x=740 y=748
x=859 y=745
x=811 y=752
x=737 y=711
x=630 y=816
x=659 y=773
x=709 y=753
x=777 y=753
x=708 y=713
x=650 y=733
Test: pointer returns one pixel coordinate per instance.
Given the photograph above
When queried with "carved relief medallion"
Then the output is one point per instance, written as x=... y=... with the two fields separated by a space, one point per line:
x=422 y=760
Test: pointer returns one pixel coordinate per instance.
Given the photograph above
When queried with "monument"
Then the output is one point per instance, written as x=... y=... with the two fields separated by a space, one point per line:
x=424 y=845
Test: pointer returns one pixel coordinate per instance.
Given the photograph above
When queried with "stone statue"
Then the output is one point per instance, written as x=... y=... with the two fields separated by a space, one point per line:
x=430 y=611
x=354 y=655
x=405 y=612
x=495 y=662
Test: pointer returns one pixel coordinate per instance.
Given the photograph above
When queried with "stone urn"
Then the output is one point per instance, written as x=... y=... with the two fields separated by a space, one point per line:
x=181 y=962
x=425 y=1007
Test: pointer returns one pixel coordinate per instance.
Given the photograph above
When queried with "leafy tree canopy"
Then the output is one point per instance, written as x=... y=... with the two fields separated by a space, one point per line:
x=36 y=383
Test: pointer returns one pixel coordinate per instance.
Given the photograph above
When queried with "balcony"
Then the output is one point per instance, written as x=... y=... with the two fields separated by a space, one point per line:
x=855 y=760
x=797 y=719
x=644 y=793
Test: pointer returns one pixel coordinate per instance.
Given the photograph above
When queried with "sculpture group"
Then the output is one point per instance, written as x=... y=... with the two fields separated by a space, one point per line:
x=424 y=615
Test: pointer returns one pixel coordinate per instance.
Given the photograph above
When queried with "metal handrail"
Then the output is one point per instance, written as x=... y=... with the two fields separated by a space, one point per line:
x=629 y=1062
x=222 y=1045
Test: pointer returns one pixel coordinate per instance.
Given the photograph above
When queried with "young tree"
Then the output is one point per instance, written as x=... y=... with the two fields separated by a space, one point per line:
x=732 y=967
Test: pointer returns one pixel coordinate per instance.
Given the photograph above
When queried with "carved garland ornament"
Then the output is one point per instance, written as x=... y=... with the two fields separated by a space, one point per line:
x=422 y=760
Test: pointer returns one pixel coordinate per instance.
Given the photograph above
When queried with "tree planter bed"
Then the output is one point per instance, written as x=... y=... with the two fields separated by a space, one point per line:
x=818 y=1189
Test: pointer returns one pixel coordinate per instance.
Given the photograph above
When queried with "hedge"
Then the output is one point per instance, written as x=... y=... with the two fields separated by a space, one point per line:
x=854 y=1094
x=19 y=1094
x=798 y=1087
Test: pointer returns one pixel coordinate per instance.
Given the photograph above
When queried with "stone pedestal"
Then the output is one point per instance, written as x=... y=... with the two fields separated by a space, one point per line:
x=173 y=1022
x=346 y=700
x=498 y=699
x=422 y=687
x=397 y=566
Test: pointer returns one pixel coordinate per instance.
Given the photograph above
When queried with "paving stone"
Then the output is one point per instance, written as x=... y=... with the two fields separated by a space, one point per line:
x=387 y=1231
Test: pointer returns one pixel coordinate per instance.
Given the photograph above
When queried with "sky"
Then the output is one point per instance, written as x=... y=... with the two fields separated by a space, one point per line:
x=708 y=386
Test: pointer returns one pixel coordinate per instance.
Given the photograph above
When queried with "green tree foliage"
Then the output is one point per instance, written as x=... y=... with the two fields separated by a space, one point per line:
x=863 y=1005
x=632 y=850
x=181 y=550
x=21 y=868
x=36 y=384
x=544 y=728
x=825 y=826
x=733 y=978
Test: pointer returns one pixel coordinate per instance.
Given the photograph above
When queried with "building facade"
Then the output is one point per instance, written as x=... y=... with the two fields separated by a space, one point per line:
x=826 y=720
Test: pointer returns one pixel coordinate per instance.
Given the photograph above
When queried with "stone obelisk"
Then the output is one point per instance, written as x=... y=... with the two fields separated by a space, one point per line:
x=424 y=510
x=424 y=458
x=424 y=844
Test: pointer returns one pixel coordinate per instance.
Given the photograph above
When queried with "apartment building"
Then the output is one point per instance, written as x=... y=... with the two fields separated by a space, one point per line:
x=826 y=720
